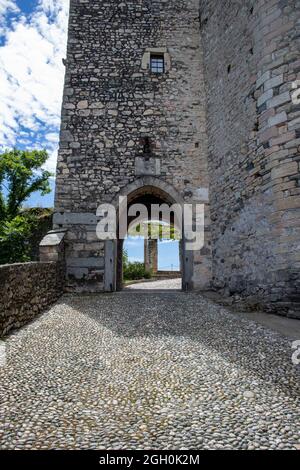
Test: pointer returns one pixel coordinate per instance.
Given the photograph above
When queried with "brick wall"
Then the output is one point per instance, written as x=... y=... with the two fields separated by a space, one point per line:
x=26 y=289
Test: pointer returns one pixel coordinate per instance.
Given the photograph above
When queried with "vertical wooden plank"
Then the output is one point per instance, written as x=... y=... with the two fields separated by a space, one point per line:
x=110 y=262
x=187 y=268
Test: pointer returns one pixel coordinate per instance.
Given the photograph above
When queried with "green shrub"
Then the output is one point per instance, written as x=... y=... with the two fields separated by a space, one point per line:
x=14 y=235
x=20 y=236
x=134 y=271
x=148 y=274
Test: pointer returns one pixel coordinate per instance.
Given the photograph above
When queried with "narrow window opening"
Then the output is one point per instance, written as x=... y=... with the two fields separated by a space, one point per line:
x=157 y=63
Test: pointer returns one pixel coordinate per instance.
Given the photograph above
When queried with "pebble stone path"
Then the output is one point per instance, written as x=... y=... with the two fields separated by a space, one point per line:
x=165 y=284
x=147 y=371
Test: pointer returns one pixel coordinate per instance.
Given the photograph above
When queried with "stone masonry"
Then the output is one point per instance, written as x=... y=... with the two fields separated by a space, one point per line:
x=113 y=106
x=26 y=289
x=252 y=67
x=221 y=127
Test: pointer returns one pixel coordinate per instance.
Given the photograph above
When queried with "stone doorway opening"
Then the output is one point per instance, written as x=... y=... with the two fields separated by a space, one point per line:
x=152 y=261
x=180 y=272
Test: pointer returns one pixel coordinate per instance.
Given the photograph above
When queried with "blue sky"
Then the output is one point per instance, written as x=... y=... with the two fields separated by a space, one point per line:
x=168 y=253
x=33 y=36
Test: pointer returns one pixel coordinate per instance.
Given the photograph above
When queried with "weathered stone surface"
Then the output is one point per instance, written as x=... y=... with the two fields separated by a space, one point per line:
x=26 y=289
x=277 y=119
x=52 y=247
x=279 y=100
x=53 y=238
x=147 y=167
x=117 y=102
x=284 y=170
x=251 y=52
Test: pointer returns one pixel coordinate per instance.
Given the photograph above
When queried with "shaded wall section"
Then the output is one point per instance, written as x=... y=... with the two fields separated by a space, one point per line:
x=251 y=69
x=26 y=289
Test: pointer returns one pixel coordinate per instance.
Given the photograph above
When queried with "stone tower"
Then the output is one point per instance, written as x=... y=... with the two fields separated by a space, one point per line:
x=133 y=123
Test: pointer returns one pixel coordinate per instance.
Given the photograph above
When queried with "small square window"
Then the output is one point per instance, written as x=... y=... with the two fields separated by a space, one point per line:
x=157 y=63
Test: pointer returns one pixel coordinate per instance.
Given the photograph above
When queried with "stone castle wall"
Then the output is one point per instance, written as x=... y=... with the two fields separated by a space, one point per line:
x=251 y=64
x=26 y=289
x=112 y=102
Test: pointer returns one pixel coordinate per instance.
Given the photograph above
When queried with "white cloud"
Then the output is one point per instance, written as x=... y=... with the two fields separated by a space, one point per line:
x=6 y=7
x=31 y=76
x=52 y=137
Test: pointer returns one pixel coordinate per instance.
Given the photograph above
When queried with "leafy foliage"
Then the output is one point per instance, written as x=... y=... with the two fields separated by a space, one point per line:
x=14 y=235
x=155 y=230
x=134 y=271
x=20 y=175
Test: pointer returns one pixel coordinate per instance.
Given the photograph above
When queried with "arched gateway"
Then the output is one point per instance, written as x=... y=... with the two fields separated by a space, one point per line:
x=147 y=191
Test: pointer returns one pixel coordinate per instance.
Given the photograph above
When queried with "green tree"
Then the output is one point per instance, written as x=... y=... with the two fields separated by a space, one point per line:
x=20 y=176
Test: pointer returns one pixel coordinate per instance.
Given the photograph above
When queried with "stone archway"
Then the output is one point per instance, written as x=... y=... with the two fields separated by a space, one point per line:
x=157 y=184
x=145 y=190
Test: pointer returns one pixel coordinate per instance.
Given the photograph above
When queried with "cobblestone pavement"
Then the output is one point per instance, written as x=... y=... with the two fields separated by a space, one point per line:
x=147 y=371
x=164 y=284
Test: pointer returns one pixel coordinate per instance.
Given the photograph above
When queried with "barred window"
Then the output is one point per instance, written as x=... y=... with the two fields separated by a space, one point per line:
x=157 y=63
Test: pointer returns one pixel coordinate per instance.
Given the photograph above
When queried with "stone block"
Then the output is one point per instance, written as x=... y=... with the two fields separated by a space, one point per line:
x=266 y=135
x=53 y=238
x=95 y=262
x=273 y=82
x=294 y=124
x=52 y=246
x=266 y=96
x=263 y=78
x=202 y=194
x=82 y=104
x=277 y=119
x=75 y=218
x=282 y=139
x=279 y=100
x=147 y=167
x=288 y=203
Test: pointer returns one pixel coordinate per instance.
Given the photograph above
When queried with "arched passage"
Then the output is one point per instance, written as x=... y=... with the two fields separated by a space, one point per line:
x=147 y=191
